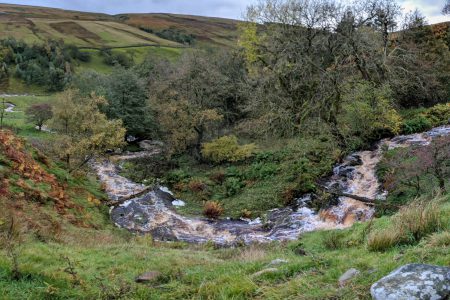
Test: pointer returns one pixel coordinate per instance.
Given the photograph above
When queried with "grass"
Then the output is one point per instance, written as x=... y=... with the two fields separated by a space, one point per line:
x=82 y=33
x=17 y=119
x=268 y=180
x=107 y=259
x=137 y=53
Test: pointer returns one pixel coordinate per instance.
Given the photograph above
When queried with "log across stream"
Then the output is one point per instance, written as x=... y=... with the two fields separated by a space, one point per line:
x=139 y=209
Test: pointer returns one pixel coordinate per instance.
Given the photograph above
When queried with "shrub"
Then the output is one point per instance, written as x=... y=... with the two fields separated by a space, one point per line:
x=261 y=170
x=227 y=149
x=177 y=176
x=232 y=186
x=367 y=115
x=218 y=177
x=197 y=186
x=439 y=114
x=246 y=214
x=418 y=124
x=233 y=172
x=212 y=209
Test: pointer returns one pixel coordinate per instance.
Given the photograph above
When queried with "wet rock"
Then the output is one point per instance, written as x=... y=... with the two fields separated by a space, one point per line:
x=277 y=262
x=178 y=203
x=349 y=274
x=354 y=160
x=263 y=272
x=165 y=196
x=414 y=282
x=344 y=171
x=148 y=277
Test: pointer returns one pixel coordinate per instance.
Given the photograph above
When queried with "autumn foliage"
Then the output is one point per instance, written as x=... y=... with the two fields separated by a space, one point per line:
x=31 y=174
x=212 y=209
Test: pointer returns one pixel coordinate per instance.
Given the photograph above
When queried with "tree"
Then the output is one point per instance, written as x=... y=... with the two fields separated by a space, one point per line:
x=2 y=112
x=446 y=9
x=367 y=115
x=38 y=114
x=83 y=130
x=418 y=64
x=436 y=159
x=197 y=94
x=4 y=73
x=309 y=51
x=413 y=166
x=126 y=98
x=185 y=127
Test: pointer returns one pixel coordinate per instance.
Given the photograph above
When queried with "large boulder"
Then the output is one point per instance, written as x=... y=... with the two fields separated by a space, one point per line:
x=414 y=282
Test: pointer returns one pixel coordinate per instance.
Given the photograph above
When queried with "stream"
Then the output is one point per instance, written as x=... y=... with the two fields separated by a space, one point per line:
x=152 y=211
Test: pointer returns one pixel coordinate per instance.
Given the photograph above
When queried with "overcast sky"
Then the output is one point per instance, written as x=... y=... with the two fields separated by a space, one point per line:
x=217 y=8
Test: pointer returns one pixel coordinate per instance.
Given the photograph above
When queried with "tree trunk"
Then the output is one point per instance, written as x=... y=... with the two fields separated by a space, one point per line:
x=198 y=144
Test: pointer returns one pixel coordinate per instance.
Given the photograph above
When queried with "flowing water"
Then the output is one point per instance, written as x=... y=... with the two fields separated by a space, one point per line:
x=153 y=212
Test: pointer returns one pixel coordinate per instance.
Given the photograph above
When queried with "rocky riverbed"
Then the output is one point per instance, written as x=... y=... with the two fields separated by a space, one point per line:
x=151 y=211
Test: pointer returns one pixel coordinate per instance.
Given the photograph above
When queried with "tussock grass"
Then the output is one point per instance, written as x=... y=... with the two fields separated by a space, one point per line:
x=410 y=225
x=382 y=240
x=439 y=239
x=418 y=219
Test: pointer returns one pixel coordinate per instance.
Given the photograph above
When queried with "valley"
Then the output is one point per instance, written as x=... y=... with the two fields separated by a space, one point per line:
x=300 y=153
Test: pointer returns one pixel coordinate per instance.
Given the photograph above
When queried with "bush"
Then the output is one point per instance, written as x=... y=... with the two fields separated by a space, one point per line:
x=212 y=209
x=233 y=172
x=232 y=186
x=227 y=149
x=439 y=114
x=197 y=186
x=261 y=171
x=218 y=177
x=367 y=115
x=418 y=124
x=177 y=176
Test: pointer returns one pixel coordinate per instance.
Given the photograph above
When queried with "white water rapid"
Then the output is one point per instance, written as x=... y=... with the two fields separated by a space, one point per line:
x=151 y=211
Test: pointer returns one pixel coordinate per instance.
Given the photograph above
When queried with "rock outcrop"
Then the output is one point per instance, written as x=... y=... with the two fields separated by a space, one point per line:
x=414 y=282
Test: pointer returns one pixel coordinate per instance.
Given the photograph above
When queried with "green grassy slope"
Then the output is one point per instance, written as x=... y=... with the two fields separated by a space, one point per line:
x=71 y=251
x=35 y=24
x=207 y=30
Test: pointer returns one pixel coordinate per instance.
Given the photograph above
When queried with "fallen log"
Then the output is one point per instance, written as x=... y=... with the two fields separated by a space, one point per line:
x=115 y=203
x=338 y=193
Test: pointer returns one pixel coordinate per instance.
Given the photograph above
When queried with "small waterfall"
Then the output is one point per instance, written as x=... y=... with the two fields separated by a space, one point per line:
x=154 y=213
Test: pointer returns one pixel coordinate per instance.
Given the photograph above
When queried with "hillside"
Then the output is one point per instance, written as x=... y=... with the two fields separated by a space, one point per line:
x=217 y=31
x=37 y=24
x=60 y=246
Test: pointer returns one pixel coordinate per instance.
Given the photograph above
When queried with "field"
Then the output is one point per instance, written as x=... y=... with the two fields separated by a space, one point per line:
x=37 y=24
x=17 y=118
x=105 y=263
x=137 y=53
x=80 y=33
x=216 y=31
